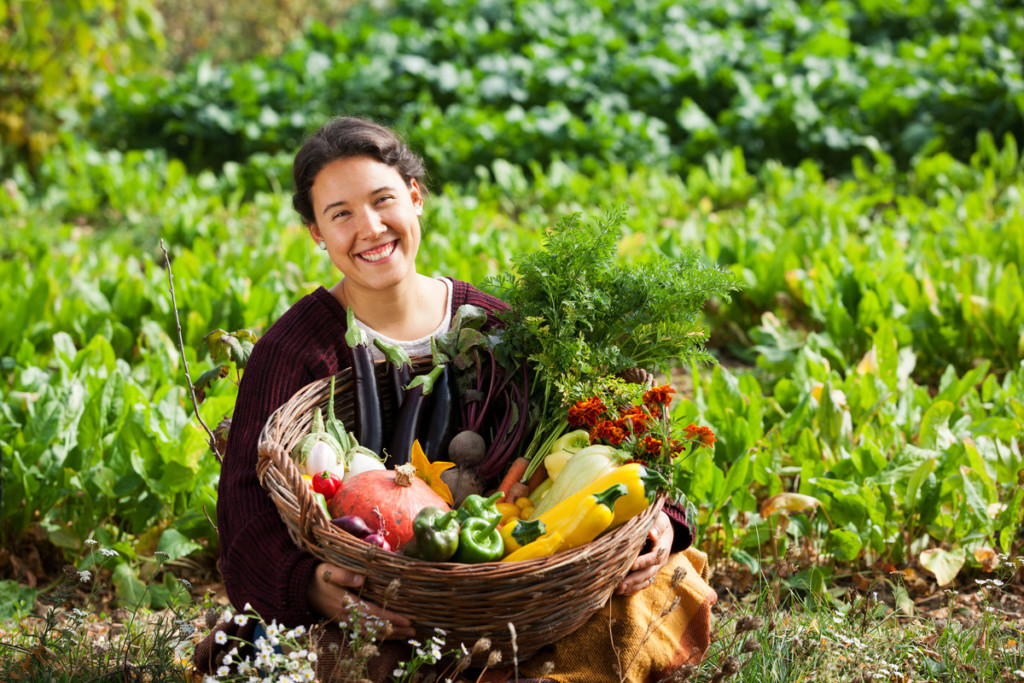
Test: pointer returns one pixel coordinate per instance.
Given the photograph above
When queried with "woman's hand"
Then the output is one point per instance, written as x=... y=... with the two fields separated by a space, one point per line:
x=330 y=595
x=641 y=574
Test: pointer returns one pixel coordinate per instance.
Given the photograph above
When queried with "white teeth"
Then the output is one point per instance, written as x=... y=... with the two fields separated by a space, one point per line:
x=378 y=255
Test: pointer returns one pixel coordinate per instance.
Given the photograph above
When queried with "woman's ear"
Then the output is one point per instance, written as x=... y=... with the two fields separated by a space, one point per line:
x=415 y=194
x=314 y=232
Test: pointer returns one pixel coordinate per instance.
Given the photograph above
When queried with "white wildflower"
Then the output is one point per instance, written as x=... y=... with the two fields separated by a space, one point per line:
x=311 y=657
x=223 y=671
x=90 y=541
x=185 y=582
x=109 y=552
x=84 y=576
x=221 y=638
x=241 y=620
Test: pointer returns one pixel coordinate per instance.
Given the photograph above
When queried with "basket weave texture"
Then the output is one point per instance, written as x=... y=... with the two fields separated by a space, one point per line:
x=519 y=606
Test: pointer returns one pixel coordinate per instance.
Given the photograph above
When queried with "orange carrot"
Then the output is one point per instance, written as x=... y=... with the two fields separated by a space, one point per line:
x=515 y=472
x=539 y=476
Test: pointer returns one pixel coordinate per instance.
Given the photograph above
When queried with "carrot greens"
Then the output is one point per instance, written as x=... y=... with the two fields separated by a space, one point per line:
x=578 y=313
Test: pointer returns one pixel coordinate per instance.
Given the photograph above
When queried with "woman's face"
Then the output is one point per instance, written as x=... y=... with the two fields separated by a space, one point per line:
x=367 y=215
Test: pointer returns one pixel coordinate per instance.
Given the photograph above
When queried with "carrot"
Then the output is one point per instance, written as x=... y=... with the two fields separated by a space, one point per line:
x=517 y=490
x=515 y=472
x=539 y=476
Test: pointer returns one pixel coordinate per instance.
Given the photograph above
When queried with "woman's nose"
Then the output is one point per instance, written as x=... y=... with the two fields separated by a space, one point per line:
x=371 y=225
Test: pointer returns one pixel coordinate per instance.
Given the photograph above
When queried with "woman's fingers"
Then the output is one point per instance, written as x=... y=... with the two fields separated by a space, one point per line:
x=333 y=592
x=647 y=566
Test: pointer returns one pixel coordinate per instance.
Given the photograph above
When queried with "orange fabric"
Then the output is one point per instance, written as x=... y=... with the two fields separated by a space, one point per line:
x=649 y=643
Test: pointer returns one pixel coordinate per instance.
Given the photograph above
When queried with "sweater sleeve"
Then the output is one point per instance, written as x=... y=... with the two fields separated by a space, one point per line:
x=683 y=527
x=260 y=563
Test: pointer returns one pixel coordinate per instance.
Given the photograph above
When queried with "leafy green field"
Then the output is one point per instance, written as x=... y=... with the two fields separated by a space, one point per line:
x=857 y=166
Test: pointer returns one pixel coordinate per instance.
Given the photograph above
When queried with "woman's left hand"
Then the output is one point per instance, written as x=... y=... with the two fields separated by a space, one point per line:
x=641 y=574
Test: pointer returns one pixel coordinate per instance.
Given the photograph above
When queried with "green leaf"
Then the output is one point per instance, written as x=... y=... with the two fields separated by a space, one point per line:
x=845 y=545
x=935 y=426
x=16 y=600
x=131 y=592
x=737 y=477
x=176 y=544
x=914 y=484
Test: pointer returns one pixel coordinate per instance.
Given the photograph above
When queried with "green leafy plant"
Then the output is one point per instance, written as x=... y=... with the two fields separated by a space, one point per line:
x=576 y=313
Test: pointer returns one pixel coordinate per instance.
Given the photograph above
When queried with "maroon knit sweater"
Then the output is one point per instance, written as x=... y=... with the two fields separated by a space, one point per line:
x=260 y=563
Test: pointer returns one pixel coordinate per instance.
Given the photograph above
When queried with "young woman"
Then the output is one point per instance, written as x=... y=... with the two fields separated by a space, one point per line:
x=360 y=193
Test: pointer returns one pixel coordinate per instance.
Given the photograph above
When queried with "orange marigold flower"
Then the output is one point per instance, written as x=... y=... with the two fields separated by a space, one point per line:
x=702 y=435
x=676 y=446
x=659 y=395
x=651 y=445
x=706 y=437
x=639 y=418
x=609 y=431
x=586 y=413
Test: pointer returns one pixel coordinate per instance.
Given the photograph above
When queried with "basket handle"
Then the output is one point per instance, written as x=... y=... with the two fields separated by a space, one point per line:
x=311 y=514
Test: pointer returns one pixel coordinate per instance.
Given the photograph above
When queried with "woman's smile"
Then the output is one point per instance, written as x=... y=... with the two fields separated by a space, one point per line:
x=378 y=253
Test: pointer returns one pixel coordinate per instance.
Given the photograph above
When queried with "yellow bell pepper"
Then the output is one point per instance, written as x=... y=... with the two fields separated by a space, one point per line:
x=642 y=485
x=573 y=524
x=519 y=532
x=563 y=449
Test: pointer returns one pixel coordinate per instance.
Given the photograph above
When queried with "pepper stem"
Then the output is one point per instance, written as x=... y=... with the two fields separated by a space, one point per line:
x=484 y=533
x=442 y=521
x=610 y=495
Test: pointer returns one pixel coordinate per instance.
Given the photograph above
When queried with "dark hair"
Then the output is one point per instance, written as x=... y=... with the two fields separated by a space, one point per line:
x=343 y=137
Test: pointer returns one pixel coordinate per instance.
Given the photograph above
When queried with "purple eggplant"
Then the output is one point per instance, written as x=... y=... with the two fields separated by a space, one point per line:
x=443 y=414
x=368 y=419
x=407 y=425
x=399 y=370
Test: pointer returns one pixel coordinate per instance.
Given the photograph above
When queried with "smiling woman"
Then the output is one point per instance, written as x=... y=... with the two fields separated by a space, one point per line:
x=360 y=193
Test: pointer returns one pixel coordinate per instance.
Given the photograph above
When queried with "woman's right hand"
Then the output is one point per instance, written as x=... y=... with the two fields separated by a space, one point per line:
x=331 y=592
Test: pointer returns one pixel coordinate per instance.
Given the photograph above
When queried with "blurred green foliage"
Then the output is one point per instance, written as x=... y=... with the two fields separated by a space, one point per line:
x=664 y=83
x=53 y=56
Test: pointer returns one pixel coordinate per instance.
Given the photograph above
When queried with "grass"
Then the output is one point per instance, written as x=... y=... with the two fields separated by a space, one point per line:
x=973 y=633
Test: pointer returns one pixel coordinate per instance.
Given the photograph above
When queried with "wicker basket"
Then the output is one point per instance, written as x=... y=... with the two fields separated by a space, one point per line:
x=545 y=599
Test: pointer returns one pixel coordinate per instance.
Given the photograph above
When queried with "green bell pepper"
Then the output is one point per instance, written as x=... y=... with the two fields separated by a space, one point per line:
x=479 y=541
x=435 y=535
x=478 y=506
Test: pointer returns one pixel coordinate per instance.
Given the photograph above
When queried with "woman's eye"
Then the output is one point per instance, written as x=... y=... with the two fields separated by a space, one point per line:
x=384 y=198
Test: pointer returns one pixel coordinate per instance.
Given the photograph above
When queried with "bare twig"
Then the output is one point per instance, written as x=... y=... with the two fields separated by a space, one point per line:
x=181 y=348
